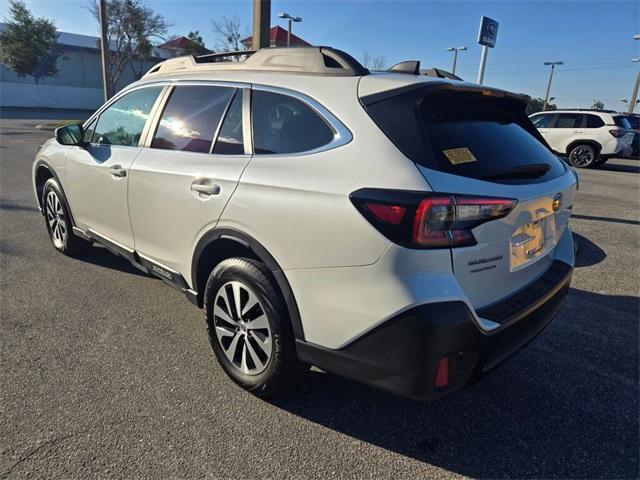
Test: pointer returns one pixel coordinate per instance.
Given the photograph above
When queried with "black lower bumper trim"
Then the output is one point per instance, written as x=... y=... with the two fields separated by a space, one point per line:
x=402 y=354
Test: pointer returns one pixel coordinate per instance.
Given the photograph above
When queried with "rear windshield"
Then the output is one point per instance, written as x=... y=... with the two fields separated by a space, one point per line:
x=622 y=122
x=467 y=134
x=634 y=122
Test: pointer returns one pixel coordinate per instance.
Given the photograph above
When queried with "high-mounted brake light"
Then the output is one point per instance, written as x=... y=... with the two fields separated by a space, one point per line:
x=420 y=220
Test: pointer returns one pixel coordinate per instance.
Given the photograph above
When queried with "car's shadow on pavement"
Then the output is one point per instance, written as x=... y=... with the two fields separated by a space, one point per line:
x=565 y=407
x=616 y=167
x=100 y=256
x=588 y=253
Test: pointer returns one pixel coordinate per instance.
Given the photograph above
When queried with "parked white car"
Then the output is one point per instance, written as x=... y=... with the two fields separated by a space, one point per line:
x=586 y=137
x=404 y=231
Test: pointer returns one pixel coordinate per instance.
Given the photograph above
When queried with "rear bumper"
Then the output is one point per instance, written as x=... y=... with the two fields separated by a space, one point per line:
x=402 y=354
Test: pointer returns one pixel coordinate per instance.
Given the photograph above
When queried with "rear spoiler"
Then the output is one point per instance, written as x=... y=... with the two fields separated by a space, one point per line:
x=435 y=86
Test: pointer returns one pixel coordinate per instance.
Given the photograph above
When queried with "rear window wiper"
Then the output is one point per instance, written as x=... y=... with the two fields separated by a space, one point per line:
x=533 y=170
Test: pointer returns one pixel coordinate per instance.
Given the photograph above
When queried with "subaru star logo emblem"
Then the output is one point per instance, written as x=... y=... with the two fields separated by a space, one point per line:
x=557 y=202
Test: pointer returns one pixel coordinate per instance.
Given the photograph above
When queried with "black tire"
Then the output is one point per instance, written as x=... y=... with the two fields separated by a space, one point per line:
x=58 y=221
x=282 y=369
x=583 y=155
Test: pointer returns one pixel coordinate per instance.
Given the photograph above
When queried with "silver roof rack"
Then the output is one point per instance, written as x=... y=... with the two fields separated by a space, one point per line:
x=305 y=60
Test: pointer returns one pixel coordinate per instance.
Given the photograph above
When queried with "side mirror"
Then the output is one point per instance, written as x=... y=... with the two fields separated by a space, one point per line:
x=70 y=135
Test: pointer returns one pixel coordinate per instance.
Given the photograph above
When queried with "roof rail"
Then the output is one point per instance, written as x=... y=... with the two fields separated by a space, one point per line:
x=304 y=60
x=585 y=110
x=219 y=57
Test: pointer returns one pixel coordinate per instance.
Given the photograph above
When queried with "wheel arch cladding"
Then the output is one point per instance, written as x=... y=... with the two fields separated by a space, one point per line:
x=43 y=173
x=222 y=243
x=592 y=143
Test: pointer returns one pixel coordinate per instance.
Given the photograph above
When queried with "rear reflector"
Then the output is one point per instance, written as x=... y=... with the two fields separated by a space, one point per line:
x=442 y=374
x=427 y=220
x=392 y=214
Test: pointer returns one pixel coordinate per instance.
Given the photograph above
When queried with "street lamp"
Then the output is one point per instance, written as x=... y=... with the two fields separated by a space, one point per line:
x=546 y=95
x=634 y=94
x=455 y=51
x=291 y=19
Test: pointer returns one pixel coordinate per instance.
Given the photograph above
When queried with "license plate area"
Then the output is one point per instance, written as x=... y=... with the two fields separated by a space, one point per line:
x=531 y=241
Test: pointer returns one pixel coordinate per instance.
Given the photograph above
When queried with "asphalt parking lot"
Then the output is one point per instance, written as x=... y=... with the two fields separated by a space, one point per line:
x=105 y=372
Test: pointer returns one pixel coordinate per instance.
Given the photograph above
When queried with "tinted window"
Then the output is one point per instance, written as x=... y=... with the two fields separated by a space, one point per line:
x=122 y=123
x=542 y=121
x=230 y=140
x=593 y=121
x=569 y=120
x=621 y=122
x=634 y=122
x=283 y=124
x=466 y=134
x=191 y=117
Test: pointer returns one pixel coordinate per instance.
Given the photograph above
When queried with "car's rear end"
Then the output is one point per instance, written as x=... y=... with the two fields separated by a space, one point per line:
x=485 y=256
x=620 y=144
x=634 y=123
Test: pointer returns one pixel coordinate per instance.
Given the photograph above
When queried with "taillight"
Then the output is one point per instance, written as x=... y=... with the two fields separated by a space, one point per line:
x=618 y=133
x=423 y=220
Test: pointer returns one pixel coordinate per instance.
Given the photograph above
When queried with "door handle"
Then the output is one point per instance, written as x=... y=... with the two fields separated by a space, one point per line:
x=118 y=171
x=205 y=187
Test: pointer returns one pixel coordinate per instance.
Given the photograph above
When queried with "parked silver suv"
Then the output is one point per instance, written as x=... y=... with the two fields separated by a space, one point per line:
x=405 y=231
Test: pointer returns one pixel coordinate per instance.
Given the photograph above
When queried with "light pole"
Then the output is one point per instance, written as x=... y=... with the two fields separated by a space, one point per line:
x=634 y=94
x=546 y=95
x=455 y=51
x=261 y=21
x=291 y=19
x=104 y=51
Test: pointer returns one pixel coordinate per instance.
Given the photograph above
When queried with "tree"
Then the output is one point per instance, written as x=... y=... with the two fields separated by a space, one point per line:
x=29 y=45
x=131 y=29
x=376 y=63
x=598 y=105
x=229 y=34
x=536 y=104
x=197 y=44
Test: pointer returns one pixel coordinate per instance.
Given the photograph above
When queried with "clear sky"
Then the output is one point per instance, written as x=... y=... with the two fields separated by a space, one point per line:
x=593 y=38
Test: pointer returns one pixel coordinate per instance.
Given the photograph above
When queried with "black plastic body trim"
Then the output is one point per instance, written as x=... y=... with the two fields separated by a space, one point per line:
x=42 y=163
x=531 y=297
x=266 y=258
x=402 y=354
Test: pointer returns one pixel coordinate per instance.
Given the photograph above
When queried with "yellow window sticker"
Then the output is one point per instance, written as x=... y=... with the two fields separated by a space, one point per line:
x=459 y=155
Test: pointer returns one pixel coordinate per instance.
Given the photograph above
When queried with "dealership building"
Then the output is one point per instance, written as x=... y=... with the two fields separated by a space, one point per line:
x=78 y=84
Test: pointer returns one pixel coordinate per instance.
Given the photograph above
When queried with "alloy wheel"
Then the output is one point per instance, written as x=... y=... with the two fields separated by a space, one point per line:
x=582 y=156
x=56 y=220
x=242 y=328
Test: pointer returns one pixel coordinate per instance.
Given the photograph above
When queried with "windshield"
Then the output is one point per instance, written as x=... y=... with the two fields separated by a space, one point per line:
x=468 y=134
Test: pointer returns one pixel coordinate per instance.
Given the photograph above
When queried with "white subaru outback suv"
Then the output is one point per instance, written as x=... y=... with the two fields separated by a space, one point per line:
x=587 y=137
x=407 y=232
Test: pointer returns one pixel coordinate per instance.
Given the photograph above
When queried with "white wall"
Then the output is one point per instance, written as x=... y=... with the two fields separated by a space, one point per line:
x=49 y=96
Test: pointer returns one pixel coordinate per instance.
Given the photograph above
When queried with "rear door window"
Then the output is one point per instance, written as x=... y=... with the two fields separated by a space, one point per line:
x=466 y=134
x=191 y=117
x=569 y=120
x=282 y=124
x=230 y=140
